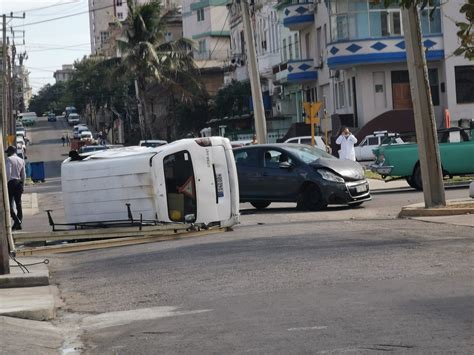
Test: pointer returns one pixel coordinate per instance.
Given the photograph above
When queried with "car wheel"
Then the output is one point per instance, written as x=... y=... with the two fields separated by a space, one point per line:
x=260 y=205
x=416 y=179
x=313 y=198
x=409 y=180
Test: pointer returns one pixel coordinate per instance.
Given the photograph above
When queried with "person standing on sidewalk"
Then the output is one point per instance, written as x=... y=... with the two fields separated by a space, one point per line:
x=347 y=140
x=63 y=140
x=15 y=167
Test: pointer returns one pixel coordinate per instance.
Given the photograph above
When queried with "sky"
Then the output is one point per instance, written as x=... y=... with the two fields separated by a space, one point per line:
x=53 y=43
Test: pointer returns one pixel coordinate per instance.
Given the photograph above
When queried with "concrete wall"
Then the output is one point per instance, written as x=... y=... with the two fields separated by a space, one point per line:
x=451 y=42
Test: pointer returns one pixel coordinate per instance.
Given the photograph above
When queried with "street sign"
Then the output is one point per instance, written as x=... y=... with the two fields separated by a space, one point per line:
x=311 y=109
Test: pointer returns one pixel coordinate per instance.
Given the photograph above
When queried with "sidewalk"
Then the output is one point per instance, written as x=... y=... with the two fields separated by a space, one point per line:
x=28 y=295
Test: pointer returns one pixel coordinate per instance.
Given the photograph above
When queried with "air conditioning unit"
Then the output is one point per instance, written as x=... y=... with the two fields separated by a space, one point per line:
x=277 y=90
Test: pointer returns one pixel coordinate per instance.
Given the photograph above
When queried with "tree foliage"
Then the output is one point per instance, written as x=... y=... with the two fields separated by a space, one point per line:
x=49 y=98
x=233 y=99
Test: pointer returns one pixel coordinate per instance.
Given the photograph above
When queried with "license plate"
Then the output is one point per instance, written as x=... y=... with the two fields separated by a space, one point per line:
x=361 y=188
x=220 y=185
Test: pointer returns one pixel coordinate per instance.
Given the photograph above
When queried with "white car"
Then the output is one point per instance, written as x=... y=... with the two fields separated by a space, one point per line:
x=363 y=151
x=318 y=140
x=73 y=119
x=76 y=132
x=86 y=135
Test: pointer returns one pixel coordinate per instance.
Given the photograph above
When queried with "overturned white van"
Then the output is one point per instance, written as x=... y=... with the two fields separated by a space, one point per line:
x=190 y=180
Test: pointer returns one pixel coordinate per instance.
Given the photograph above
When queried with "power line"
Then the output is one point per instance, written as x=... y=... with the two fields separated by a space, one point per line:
x=60 y=3
x=62 y=17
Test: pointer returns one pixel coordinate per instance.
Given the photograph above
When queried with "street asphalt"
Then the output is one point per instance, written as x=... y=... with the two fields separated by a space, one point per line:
x=353 y=280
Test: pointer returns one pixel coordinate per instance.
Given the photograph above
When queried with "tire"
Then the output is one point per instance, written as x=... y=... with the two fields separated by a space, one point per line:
x=260 y=205
x=313 y=199
x=409 y=180
x=417 y=182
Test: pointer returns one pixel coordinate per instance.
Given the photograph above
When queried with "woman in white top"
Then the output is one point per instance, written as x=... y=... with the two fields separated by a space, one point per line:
x=347 y=140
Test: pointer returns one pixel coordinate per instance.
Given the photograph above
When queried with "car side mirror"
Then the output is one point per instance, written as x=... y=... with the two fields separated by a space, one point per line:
x=285 y=165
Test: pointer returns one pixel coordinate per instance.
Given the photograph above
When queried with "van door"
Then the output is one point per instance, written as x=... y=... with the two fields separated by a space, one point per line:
x=180 y=187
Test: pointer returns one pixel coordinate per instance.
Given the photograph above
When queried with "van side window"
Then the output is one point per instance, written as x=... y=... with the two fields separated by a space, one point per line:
x=180 y=186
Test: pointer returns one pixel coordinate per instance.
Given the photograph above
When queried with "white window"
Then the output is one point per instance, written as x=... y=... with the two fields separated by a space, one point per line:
x=120 y=15
x=297 y=47
x=104 y=37
x=202 y=46
x=200 y=15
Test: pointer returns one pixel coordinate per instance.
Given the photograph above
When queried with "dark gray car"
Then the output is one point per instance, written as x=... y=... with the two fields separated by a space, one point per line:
x=298 y=173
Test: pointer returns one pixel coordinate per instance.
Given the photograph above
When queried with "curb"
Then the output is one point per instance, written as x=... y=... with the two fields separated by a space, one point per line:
x=453 y=208
x=35 y=303
x=37 y=278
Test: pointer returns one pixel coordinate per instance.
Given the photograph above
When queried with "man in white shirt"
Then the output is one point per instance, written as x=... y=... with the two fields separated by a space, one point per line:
x=15 y=167
x=346 y=140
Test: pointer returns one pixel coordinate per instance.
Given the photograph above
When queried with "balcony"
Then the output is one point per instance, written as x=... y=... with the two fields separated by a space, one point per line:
x=297 y=72
x=346 y=54
x=298 y=16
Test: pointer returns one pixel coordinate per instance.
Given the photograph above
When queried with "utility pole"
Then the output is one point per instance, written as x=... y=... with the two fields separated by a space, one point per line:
x=257 y=99
x=5 y=223
x=425 y=124
x=4 y=218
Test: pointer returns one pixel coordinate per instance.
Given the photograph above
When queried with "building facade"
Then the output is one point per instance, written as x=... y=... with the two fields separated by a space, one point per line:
x=350 y=55
x=64 y=74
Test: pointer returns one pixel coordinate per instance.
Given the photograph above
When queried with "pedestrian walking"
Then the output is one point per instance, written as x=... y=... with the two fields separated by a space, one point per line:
x=63 y=140
x=67 y=140
x=15 y=167
x=346 y=140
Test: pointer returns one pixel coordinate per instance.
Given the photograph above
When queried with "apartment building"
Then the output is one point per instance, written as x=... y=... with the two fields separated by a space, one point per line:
x=64 y=74
x=103 y=17
x=358 y=51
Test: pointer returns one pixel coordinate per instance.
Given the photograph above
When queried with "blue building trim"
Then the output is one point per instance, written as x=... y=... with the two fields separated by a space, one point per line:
x=394 y=57
x=353 y=40
x=299 y=77
x=296 y=20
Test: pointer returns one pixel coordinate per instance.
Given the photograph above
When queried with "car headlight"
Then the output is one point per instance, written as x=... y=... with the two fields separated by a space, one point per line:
x=327 y=175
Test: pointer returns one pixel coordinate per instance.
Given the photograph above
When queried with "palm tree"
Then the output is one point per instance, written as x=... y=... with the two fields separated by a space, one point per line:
x=150 y=59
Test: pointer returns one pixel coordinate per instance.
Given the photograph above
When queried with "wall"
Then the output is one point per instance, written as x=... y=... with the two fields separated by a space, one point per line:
x=451 y=14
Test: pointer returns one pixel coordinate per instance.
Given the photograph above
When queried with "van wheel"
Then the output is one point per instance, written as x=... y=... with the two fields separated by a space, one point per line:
x=260 y=205
x=313 y=198
x=416 y=180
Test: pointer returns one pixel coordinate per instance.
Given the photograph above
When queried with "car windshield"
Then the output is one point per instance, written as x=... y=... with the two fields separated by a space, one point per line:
x=309 y=154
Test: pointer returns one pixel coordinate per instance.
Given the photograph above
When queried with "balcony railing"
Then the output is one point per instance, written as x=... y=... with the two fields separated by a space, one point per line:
x=297 y=72
x=298 y=16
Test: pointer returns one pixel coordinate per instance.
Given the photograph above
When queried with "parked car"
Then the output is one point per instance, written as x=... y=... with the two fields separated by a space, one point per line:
x=238 y=144
x=456 y=150
x=364 y=150
x=298 y=173
x=73 y=119
x=51 y=117
x=76 y=132
x=319 y=142
x=86 y=135
x=92 y=148
x=152 y=143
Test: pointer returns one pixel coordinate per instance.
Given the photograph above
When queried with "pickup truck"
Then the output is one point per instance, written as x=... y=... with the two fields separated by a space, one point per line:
x=456 y=150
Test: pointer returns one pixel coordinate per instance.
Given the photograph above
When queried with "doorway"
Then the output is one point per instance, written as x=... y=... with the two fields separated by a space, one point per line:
x=401 y=93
